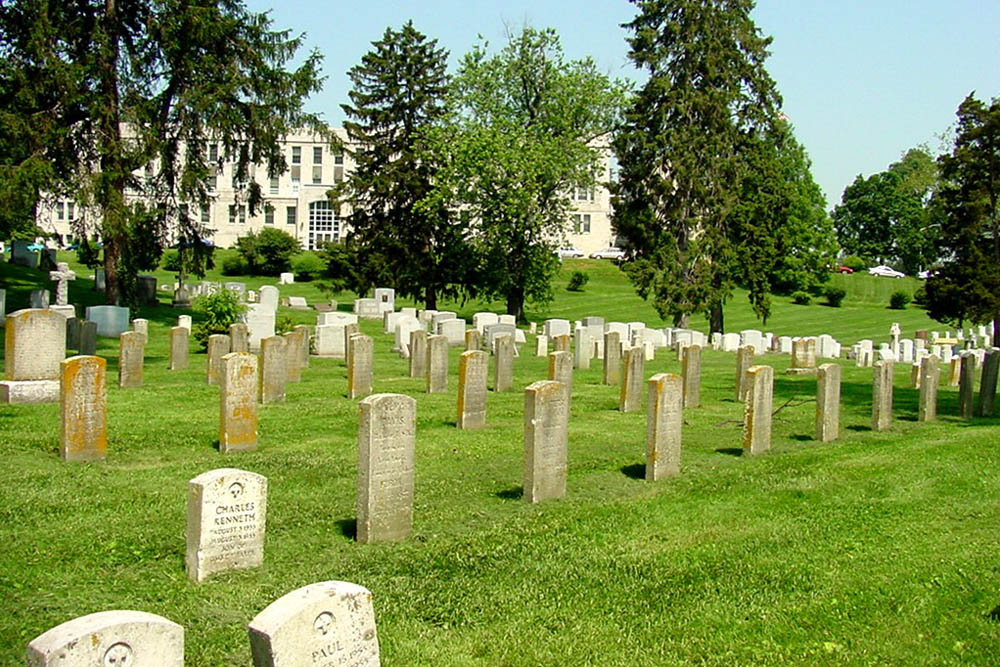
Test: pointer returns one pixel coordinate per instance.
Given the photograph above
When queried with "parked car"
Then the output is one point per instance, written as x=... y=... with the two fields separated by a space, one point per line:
x=924 y=275
x=570 y=252
x=844 y=269
x=886 y=271
x=609 y=253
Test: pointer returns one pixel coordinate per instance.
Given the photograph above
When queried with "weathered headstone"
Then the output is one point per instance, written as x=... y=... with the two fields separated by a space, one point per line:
x=145 y=287
x=633 y=367
x=260 y=320
x=83 y=430
x=72 y=333
x=803 y=357
x=882 y=395
x=386 y=440
x=663 y=426
x=503 y=363
x=117 y=638
x=560 y=342
x=967 y=385
x=828 y=402
x=62 y=275
x=418 y=353
x=987 y=382
x=744 y=359
x=691 y=372
x=302 y=344
x=226 y=520
x=757 y=409
x=111 y=320
x=437 y=364
x=546 y=417
x=327 y=624
x=184 y=321
x=454 y=331
x=473 y=339
x=584 y=349
x=217 y=348
x=141 y=325
x=88 y=337
x=238 y=409
x=473 y=368
x=178 y=359
x=268 y=298
x=131 y=347
x=34 y=346
x=930 y=375
x=360 y=355
x=239 y=338
x=273 y=369
x=561 y=370
x=541 y=345
x=612 y=358
x=298 y=303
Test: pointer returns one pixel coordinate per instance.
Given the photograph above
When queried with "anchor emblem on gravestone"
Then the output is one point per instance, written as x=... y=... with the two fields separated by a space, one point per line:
x=323 y=622
x=118 y=655
x=236 y=489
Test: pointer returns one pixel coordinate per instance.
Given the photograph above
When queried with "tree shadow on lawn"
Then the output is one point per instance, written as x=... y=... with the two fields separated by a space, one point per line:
x=731 y=451
x=513 y=493
x=634 y=471
x=348 y=528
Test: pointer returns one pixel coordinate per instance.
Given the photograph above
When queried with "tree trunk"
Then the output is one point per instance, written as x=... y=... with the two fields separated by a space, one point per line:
x=682 y=321
x=112 y=260
x=111 y=183
x=430 y=298
x=515 y=303
x=715 y=319
x=996 y=329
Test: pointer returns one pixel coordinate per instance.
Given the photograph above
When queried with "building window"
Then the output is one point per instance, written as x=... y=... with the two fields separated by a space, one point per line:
x=584 y=194
x=213 y=152
x=291 y=214
x=581 y=223
x=274 y=185
x=61 y=211
x=213 y=183
x=70 y=212
x=206 y=215
x=268 y=214
x=317 y=155
x=296 y=154
x=338 y=159
x=323 y=224
x=237 y=213
x=296 y=179
x=317 y=175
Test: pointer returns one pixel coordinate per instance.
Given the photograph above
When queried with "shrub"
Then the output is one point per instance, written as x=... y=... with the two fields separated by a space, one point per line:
x=307 y=267
x=235 y=265
x=899 y=299
x=89 y=253
x=219 y=310
x=854 y=262
x=920 y=296
x=577 y=281
x=283 y=325
x=801 y=298
x=171 y=261
x=834 y=295
x=268 y=252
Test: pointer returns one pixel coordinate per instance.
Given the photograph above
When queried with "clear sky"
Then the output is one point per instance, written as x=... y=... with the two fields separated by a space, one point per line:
x=862 y=80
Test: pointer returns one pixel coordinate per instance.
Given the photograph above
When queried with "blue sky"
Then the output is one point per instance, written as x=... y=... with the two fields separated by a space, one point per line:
x=862 y=81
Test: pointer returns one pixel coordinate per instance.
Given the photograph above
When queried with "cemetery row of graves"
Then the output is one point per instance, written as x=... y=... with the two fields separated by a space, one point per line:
x=533 y=389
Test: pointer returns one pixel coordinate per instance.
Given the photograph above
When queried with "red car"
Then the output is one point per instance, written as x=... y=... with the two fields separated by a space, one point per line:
x=844 y=269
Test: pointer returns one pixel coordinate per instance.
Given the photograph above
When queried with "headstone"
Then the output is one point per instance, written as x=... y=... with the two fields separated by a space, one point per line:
x=541 y=345
x=360 y=354
x=302 y=345
x=293 y=358
x=273 y=369
x=260 y=321
x=178 y=360
x=612 y=357
x=111 y=320
x=663 y=426
x=62 y=275
x=930 y=373
x=326 y=624
x=405 y=325
x=481 y=320
x=560 y=342
x=140 y=325
x=546 y=417
x=418 y=353
x=633 y=367
x=593 y=321
x=828 y=402
x=803 y=357
x=226 y=520
x=146 y=290
x=181 y=297
x=268 y=298
x=493 y=331
x=286 y=278
x=915 y=373
x=218 y=347
x=386 y=299
x=83 y=431
x=130 y=357
x=556 y=327
x=561 y=370
x=503 y=363
x=184 y=321
x=473 y=339
x=827 y=347
x=88 y=337
x=744 y=360
x=39 y=298
x=905 y=351
x=454 y=331
x=437 y=364
x=691 y=372
x=954 y=371
x=441 y=316
x=100 y=281
x=473 y=367
x=238 y=410
x=882 y=396
x=21 y=255
x=367 y=309
x=584 y=349
x=386 y=439
x=34 y=346
x=987 y=382
x=754 y=338
x=298 y=303
x=329 y=341
x=239 y=338
x=730 y=342
x=110 y=639
x=967 y=385
x=72 y=333
x=757 y=409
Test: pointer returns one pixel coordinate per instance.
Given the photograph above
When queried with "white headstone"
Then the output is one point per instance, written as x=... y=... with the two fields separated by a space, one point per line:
x=269 y=297
x=110 y=639
x=286 y=279
x=112 y=321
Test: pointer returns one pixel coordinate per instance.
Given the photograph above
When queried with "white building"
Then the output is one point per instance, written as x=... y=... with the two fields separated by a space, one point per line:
x=296 y=201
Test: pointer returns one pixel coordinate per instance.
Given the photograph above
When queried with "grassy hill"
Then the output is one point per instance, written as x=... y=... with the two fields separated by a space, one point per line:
x=874 y=549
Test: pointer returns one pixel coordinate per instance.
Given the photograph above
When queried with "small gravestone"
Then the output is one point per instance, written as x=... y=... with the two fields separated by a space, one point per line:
x=757 y=409
x=633 y=367
x=34 y=346
x=546 y=417
x=272 y=370
x=111 y=321
x=503 y=363
x=472 y=371
x=118 y=638
x=437 y=364
x=560 y=342
x=83 y=430
x=146 y=290
x=88 y=337
x=62 y=275
x=360 y=352
x=612 y=363
x=184 y=321
x=386 y=440
x=930 y=373
x=541 y=345
x=418 y=353
x=141 y=326
x=473 y=340
x=482 y=320
x=286 y=278
x=39 y=298
x=583 y=350
x=882 y=395
x=226 y=519
x=327 y=624
x=239 y=340
x=72 y=333
x=454 y=331
x=130 y=353
x=178 y=360
x=556 y=327
x=238 y=410
x=181 y=297
x=691 y=372
x=744 y=360
x=828 y=402
x=21 y=255
x=803 y=357
x=298 y=303
x=967 y=385
x=218 y=347
x=663 y=426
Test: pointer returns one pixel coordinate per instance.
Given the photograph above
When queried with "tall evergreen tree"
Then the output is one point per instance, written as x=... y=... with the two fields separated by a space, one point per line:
x=400 y=91
x=681 y=155
x=123 y=99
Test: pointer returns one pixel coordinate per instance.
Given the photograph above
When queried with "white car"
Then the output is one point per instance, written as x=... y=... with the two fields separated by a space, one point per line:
x=569 y=252
x=609 y=253
x=886 y=271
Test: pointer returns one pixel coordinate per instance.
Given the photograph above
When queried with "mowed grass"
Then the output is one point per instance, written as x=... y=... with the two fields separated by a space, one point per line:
x=874 y=549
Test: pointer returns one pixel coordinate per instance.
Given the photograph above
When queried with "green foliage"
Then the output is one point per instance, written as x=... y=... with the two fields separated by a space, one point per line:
x=577 y=281
x=235 y=265
x=834 y=295
x=267 y=252
x=340 y=272
x=855 y=263
x=89 y=254
x=920 y=296
x=283 y=325
x=899 y=299
x=171 y=261
x=802 y=298
x=307 y=267
x=217 y=310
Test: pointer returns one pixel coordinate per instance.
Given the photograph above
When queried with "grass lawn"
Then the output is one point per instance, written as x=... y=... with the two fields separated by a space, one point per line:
x=874 y=549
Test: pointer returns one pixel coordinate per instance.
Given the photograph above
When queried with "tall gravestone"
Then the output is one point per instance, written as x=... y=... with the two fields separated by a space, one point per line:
x=882 y=378
x=828 y=402
x=386 y=441
x=437 y=364
x=988 y=383
x=88 y=337
x=302 y=343
x=239 y=338
x=326 y=624
x=131 y=346
x=141 y=325
x=360 y=354
x=418 y=353
x=272 y=370
x=967 y=385
x=260 y=320
x=757 y=409
x=584 y=349
x=238 y=403
x=83 y=421
x=293 y=366
x=34 y=346
x=226 y=519
x=561 y=370
x=541 y=345
x=633 y=367
x=503 y=363
x=110 y=639
x=472 y=372
x=744 y=360
x=664 y=417
x=178 y=349
x=612 y=357
x=930 y=375
x=546 y=417
x=218 y=347
x=691 y=372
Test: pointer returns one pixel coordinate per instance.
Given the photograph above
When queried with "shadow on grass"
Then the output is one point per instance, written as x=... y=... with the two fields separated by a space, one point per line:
x=994 y=615
x=801 y=437
x=731 y=451
x=348 y=528
x=513 y=493
x=861 y=428
x=634 y=471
